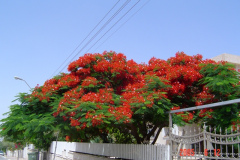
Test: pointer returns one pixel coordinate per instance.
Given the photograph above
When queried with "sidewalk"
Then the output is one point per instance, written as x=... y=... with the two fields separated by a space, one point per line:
x=14 y=158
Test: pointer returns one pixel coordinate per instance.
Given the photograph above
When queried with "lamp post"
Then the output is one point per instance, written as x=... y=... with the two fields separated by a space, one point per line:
x=56 y=134
x=17 y=78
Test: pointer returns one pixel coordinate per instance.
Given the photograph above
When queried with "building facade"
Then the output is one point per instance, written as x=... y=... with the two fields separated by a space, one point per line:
x=230 y=58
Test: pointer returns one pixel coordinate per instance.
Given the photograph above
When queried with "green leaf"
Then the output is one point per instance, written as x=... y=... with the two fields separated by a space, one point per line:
x=44 y=101
x=147 y=102
x=66 y=127
x=160 y=111
x=219 y=83
x=228 y=109
x=91 y=85
x=105 y=121
x=159 y=102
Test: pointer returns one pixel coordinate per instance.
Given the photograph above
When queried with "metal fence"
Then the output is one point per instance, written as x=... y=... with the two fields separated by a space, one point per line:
x=124 y=151
x=207 y=143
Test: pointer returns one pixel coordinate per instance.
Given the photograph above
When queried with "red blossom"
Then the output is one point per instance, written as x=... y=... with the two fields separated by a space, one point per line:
x=236 y=125
x=187 y=117
x=67 y=138
x=206 y=113
x=89 y=81
x=114 y=84
x=74 y=122
x=82 y=62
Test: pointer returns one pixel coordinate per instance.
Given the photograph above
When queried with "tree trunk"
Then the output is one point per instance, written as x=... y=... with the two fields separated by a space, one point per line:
x=135 y=134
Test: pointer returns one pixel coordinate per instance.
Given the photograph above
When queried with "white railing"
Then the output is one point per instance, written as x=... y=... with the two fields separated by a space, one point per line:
x=126 y=151
x=207 y=143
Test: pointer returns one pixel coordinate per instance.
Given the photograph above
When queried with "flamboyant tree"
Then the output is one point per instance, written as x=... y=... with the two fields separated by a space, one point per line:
x=106 y=95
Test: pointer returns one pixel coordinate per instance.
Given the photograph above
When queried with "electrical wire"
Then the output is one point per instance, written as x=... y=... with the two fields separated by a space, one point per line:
x=106 y=23
x=86 y=37
x=114 y=25
x=123 y=24
x=111 y=27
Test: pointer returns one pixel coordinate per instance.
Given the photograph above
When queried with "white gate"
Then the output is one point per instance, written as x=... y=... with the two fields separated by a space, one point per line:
x=206 y=142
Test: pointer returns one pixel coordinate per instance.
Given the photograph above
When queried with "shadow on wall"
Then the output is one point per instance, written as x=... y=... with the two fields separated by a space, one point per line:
x=81 y=156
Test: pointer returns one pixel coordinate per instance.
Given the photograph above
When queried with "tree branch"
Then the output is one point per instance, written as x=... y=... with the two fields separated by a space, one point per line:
x=156 y=137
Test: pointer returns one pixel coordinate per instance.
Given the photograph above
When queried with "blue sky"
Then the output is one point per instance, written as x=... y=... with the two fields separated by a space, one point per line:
x=36 y=37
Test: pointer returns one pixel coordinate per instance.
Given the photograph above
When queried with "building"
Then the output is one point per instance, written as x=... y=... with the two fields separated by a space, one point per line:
x=230 y=58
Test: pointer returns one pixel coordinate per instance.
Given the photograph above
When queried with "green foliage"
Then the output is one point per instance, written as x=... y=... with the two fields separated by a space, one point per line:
x=223 y=82
x=4 y=145
x=121 y=136
x=28 y=123
x=106 y=98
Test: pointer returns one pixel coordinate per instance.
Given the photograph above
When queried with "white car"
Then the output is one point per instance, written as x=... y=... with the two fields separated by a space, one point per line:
x=1 y=153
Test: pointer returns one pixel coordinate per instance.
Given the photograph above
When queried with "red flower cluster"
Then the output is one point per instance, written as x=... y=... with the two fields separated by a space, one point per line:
x=43 y=93
x=51 y=86
x=121 y=112
x=97 y=119
x=236 y=126
x=133 y=93
x=71 y=96
x=102 y=66
x=103 y=96
x=181 y=59
x=75 y=122
x=183 y=72
x=89 y=81
x=206 y=113
x=177 y=108
x=69 y=80
x=204 y=97
x=158 y=67
x=187 y=117
x=68 y=138
x=117 y=85
x=82 y=62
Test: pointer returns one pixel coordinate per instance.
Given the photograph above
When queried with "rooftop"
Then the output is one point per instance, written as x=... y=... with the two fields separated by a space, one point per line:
x=227 y=57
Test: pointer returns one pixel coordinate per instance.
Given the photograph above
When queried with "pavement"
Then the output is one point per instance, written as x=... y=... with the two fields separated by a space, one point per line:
x=14 y=158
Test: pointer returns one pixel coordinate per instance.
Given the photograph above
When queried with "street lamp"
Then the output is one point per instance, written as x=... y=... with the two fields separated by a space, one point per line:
x=17 y=78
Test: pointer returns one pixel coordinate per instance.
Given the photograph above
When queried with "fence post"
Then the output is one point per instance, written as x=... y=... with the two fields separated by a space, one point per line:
x=204 y=140
x=169 y=134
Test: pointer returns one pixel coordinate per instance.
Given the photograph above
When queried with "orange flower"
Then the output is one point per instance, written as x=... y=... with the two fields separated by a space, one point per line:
x=68 y=138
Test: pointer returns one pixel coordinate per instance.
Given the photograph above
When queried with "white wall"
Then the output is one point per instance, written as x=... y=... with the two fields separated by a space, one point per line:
x=67 y=150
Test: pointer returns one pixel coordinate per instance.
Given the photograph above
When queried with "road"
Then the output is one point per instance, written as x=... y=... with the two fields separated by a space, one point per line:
x=3 y=158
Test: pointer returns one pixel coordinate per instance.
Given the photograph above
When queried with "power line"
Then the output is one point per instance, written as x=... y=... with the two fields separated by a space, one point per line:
x=110 y=27
x=123 y=24
x=113 y=25
x=86 y=37
x=106 y=23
